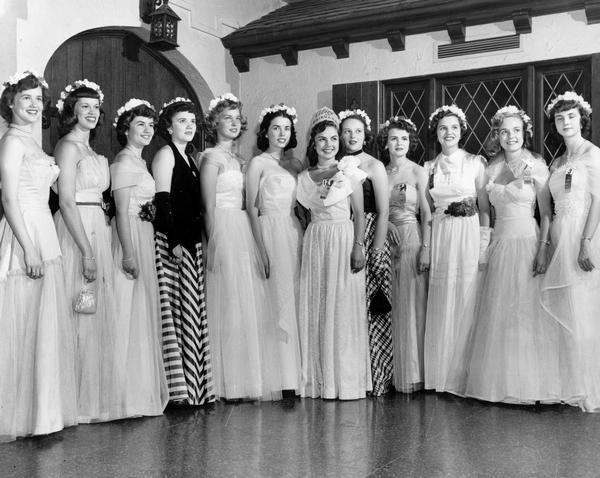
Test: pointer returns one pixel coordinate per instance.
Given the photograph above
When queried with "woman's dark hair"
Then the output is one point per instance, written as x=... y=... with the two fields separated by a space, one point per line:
x=166 y=117
x=369 y=137
x=262 y=142
x=565 y=105
x=67 y=118
x=397 y=122
x=492 y=144
x=210 y=122
x=126 y=118
x=8 y=94
x=311 y=152
x=442 y=113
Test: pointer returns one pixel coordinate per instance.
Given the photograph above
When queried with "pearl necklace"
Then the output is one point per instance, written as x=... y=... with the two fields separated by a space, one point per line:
x=402 y=164
x=571 y=155
x=135 y=154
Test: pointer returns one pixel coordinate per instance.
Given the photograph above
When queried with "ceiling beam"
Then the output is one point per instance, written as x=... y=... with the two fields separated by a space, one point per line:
x=341 y=48
x=522 y=21
x=456 y=31
x=397 y=40
x=290 y=55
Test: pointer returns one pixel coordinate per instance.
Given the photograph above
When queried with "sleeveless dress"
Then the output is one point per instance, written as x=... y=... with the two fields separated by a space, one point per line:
x=244 y=332
x=333 y=324
x=453 y=269
x=570 y=295
x=514 y=357
x=96 y=333
x=409 y=291
x=37 y=343
x=185 y=344
x=282 y=237
x=379 y=296
x=142 y=382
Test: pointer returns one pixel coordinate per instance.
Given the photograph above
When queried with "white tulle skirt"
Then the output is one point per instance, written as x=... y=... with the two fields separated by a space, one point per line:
x=332 y=315
x=244 y=335
x=282 y=237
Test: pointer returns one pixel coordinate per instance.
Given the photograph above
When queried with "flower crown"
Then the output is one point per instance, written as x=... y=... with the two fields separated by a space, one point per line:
x=396 y=119
x=288 y=110
x=132 y=103
x=179 y=99
x=512 y=110
x=455 y=110
x=347 y=113
x=569 y=96
x=14 y=79
x=70 y=88
x=219 y=99
x=324 y=114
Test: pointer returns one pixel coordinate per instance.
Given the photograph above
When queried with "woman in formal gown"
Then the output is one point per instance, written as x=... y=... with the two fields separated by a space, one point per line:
x=85 y=240
x=142 y=381
x=333 y=323
x=459 y=239
x=355 y=127
x=571 y=285
x=410 y=249
x=514 y=357
x=244 y=330
x=271 y=201
x=37 y=342
x=179 y=258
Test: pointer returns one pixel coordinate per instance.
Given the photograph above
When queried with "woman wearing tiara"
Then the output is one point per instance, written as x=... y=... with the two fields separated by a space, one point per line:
x=355 y=127
x=514 y=357
x=571 y=285
x=142 y=381
x=37 y=342
x=333 y=323
x=179 y=258
x=410 y=250
x=271 y=200
x=459 y=238
x=244 y=331
x=85 y=239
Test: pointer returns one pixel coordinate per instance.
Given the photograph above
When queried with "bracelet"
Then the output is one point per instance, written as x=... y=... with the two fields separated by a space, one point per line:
x=424 y=245
x=85 y=258
x=358 y=243
x=586 y=239
x=546 y=243
x=377 y=250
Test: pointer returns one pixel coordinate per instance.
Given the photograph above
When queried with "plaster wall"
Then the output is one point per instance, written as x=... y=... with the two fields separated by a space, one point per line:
x=308 y=85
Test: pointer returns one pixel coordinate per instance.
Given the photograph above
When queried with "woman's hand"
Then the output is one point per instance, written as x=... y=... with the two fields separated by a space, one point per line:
x=393 y=234
x=540 y=261
x=33 y=265
x=130 y=267
x=424 y=260
x=88 y=265
x=266 y=264
x=177 y=254
x=584 y=259
x=357 y=258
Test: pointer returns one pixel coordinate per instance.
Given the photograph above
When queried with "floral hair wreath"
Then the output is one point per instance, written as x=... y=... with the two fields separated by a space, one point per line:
x=396 y=119
x=455 y=110
x=14 y=79
x=179 y=99
x=288 y=110
x=219 y=99
x=363 y=114
x=128 y=106
x=512 y=110
x=70 y=88
x=569 y=96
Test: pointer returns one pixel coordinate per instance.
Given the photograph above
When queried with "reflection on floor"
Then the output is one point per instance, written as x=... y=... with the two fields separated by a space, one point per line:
x=424 y=435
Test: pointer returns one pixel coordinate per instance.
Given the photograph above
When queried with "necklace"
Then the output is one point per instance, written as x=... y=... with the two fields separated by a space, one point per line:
x=401 y=164
x=21 y=129
x=276 y=158
x=227 y=152
x=135 y=153
x=571 y=155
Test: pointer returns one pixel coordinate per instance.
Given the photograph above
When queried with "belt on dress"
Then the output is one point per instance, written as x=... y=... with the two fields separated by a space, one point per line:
x=88 y=203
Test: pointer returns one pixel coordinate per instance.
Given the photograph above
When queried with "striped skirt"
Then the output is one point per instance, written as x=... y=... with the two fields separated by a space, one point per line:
x=185 y=345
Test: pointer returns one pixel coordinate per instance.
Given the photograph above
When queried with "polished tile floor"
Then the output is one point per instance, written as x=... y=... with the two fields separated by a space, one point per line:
x=425 y=435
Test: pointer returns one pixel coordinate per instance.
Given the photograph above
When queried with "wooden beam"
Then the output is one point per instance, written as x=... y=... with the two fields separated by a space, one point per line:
x=456 y=31
x=396 y=39
x=289 y=55
x=241 y=62
x=522 y=21
x=592 y=11
x=341 y=48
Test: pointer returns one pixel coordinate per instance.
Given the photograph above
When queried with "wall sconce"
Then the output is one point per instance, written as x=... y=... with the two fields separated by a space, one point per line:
x=163 y=23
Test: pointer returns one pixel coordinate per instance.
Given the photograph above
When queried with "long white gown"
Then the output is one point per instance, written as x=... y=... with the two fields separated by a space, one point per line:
x=282 y=237
x=515 y=356
x=569 y=294
x=37 y=339
x=453 y=270
x=332 y=314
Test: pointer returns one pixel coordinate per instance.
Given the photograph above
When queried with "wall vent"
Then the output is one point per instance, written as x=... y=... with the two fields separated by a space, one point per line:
x=475 y=47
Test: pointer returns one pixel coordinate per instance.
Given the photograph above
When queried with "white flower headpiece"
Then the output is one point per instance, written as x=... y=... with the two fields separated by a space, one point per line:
x=128 y=106
x=179 y=99
x=288 y=110
x=219 y=99
x=569 y=96
x=512 y=110
x=14 y=79
x=70 y=88
x=363 y=114
x=396 y=119
x=455 y=110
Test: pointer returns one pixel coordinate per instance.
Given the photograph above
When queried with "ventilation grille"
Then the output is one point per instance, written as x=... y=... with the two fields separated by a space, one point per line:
x=479 y=46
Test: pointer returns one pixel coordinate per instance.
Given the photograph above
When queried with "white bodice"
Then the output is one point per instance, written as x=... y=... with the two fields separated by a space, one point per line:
x=230 y=189
x=277 y=193
x=92 y=179
x=38 y=173
x=308 y=195
x=403 y=204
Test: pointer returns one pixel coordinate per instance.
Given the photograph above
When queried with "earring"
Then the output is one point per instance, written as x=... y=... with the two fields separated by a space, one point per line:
x=170 y=131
